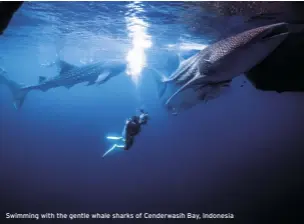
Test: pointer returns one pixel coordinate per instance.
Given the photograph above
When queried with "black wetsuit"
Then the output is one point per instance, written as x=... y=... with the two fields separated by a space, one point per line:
x=132 y=129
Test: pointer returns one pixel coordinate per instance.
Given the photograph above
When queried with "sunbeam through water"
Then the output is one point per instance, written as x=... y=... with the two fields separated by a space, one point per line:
x=137 y=28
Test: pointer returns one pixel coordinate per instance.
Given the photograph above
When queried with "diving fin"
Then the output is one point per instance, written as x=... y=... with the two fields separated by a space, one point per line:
x=114 y=138
x=112 y=148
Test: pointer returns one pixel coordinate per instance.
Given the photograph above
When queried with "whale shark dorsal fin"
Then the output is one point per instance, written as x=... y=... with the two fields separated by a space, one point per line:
x=64 y=67
x=41 y=79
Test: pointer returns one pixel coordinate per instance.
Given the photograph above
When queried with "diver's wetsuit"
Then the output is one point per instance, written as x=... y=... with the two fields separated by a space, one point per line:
x=131 y=129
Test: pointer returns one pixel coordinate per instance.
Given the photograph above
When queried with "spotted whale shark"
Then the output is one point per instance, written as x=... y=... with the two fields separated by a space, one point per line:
x=206 y=74
x=69 y=75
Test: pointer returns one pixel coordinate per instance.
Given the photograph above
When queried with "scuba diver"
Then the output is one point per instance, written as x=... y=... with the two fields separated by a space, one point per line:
x=131 y=129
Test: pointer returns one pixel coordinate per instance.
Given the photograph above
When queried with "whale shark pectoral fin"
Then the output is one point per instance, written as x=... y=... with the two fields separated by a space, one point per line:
x=41 y=79
x=193 y=93
x=161 y=82
x=102 y=77
x=64 y=67
x=90 y=83
x=180 y=59
x=69 y=86
x=214 y=90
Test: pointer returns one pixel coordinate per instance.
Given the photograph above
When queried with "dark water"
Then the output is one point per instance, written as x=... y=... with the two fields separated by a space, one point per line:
x=240 y=153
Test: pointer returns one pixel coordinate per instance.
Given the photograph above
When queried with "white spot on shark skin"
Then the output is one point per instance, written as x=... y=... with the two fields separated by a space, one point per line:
x=137 y=27
x=86 y=61
x=102 y=77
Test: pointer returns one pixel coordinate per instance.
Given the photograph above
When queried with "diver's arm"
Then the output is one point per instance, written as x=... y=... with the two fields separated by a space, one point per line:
x=143 y=118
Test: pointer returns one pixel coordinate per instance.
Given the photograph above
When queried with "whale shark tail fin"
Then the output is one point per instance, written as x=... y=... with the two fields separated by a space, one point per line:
x=18 y=92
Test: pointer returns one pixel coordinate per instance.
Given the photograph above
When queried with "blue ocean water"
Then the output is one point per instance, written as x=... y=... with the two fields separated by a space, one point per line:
x=207 y=159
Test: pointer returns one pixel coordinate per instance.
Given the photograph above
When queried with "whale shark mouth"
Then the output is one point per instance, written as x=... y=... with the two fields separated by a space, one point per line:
x=276 y=31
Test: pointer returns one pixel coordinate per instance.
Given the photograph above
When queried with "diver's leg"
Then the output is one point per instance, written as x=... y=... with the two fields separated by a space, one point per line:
x=129 y=142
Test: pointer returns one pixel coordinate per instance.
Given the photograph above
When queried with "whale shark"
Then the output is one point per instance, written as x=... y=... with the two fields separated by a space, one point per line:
x=205 y=75
x=69 y=75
